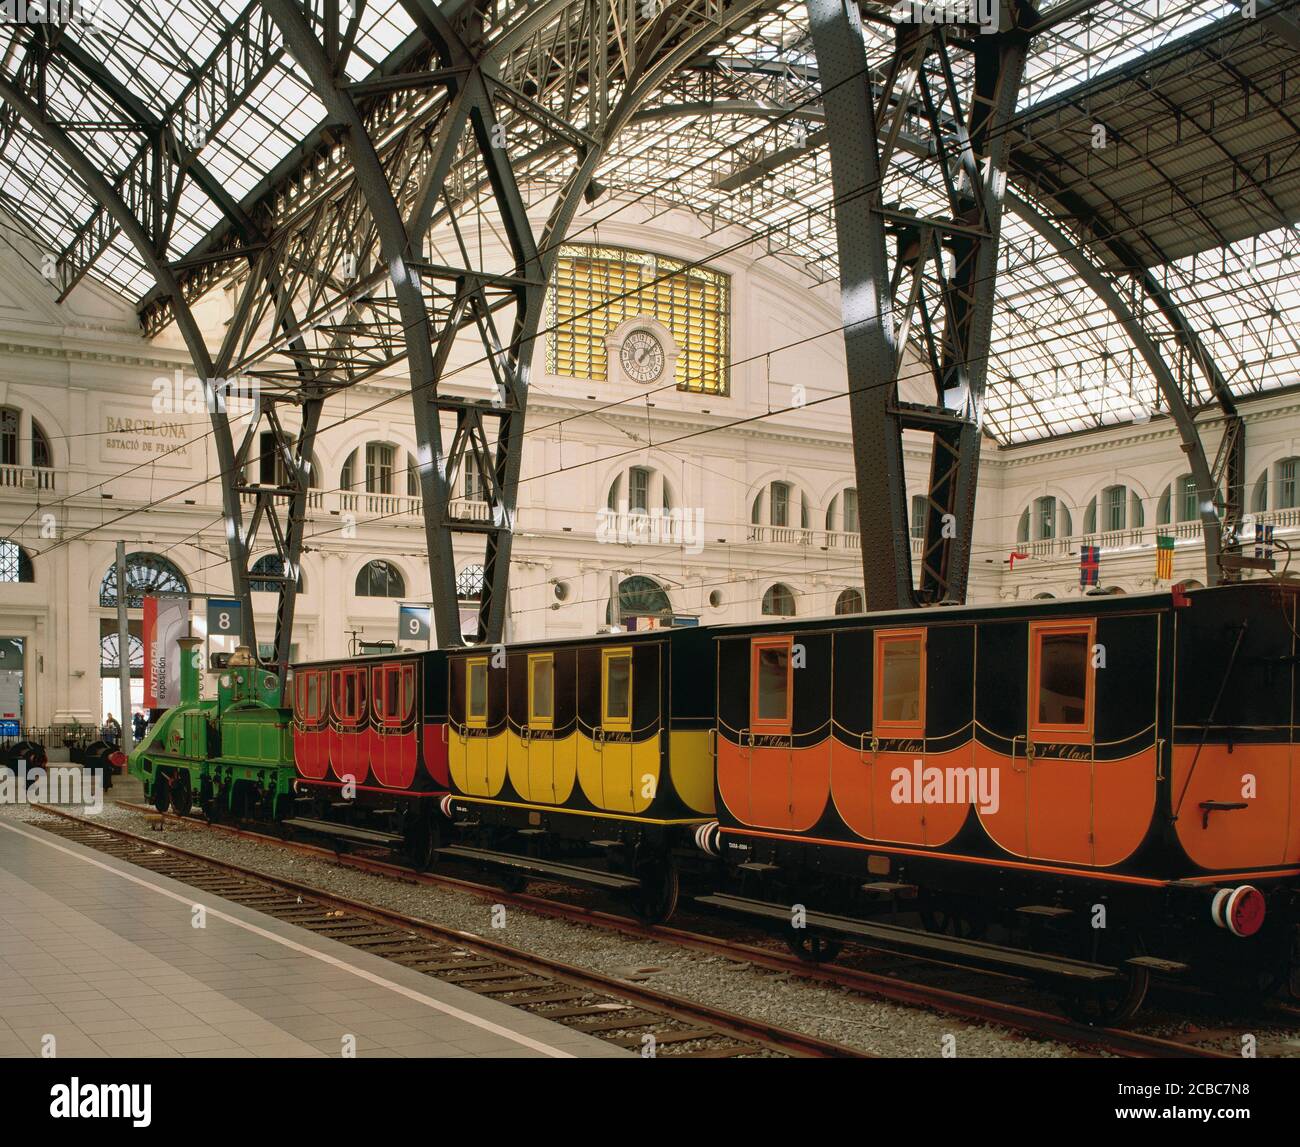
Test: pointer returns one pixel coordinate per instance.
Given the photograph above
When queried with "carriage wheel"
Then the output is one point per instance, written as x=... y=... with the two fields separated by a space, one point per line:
x=1106 y=1005
x=161 y=791
x=813 y=948
x=182 y=793
x=656 y=899
x=422 y=845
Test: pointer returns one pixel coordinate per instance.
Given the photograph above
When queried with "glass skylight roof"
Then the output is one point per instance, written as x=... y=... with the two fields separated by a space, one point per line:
x=1060 y=361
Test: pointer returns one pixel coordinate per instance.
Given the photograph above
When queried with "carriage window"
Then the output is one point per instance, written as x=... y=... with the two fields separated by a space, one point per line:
x=476 y=704
x=617 y=706
x=352 y=696
x=1062 y=677
x=900 y=678
x=541 y=689
x=771 y=674
x=311 y=690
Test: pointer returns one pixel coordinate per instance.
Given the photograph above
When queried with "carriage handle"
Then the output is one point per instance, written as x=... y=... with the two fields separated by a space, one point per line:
x=1029 y=750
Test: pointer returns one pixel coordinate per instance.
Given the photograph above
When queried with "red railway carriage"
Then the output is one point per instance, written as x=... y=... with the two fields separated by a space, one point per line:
x=370 y=747
x=1027 y=764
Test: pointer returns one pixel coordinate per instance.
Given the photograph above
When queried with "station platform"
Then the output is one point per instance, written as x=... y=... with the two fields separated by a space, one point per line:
x=101 y=957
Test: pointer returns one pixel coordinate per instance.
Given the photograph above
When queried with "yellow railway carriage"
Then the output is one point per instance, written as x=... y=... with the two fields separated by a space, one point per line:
x=589 y=759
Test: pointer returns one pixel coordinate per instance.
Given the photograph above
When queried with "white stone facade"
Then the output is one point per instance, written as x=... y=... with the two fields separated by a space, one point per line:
x=84 y=373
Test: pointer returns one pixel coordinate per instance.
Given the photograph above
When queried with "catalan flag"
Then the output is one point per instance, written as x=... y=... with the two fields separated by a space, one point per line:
x=1089 y=565
x=1164 y=557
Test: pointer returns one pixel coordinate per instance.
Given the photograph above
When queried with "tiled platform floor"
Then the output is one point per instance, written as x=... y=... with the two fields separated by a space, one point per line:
x=102 y=956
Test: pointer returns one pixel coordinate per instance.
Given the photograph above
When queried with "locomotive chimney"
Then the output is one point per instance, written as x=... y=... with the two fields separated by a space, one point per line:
x=190 y=669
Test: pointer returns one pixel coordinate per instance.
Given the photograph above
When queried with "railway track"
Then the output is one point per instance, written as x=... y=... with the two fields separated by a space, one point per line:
x=964 y=1005
x=632 y=1017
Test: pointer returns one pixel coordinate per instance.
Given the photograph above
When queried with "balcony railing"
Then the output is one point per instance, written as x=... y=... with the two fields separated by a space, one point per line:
x=26 y=478
x=385 y=505
x=781 y=535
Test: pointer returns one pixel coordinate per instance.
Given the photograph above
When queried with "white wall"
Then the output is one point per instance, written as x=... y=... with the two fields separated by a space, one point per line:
x=81 y=369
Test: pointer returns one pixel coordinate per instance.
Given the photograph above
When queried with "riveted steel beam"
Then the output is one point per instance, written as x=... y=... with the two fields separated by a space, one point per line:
x=940 y=279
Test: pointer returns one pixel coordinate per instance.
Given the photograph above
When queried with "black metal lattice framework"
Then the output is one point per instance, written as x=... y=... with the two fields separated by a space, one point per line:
x=334 y=167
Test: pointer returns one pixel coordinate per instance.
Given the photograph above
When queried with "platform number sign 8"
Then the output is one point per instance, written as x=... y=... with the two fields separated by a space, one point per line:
x=225 y=618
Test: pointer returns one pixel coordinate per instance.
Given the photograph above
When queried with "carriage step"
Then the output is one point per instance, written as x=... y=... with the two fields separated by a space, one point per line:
x=757 y=866
x=1157 y=964
x=569 y=873
x=1046 y=911
x=343 y=831
x=383 y=812
x=532 y=832
x=891 y=888
x=607 y=843
x=931 y=945
x=341 y=804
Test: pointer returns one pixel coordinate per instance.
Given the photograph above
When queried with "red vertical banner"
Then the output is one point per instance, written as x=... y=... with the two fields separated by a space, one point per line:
x=149 y=631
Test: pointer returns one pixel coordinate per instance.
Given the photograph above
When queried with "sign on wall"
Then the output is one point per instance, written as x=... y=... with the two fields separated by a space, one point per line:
x=164 y=626
x=225 y=618
x=414 y=624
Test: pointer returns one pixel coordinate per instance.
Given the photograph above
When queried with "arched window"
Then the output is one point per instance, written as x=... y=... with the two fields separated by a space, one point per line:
x=8 y=436
x=469 y=583
x=380 y=579
x=849 y=601
x=780 y=505
x=842 y=513
x=269 y=566
x=146 y=575
x=1287 y=491
x=42 y=455
x=1259 y=498
x=1045 y=518
x=638 y=490
x=1044 y=596
x=108 y=652
x=1118 y=509
x=15 y=564
x=920 y=508
x=778 y=601
x=640 y=596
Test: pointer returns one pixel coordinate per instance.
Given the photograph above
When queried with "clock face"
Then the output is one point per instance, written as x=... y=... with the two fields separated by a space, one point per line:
x=642 y=356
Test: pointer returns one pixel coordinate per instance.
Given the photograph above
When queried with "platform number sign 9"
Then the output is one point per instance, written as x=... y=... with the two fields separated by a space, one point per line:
x=414 y=624
x=225 y=618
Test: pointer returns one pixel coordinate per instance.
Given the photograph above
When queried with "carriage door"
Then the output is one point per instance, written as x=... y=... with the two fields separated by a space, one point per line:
x=539 y=732
x=769 y=743
x=614 y=737
x=898 y=736
x=1061 y=699
x=476 y=712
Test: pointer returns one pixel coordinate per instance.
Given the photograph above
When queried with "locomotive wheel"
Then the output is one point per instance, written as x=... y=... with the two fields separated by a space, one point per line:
x=1107 y=1005
x=161 y=791
x=813 y=948
x=656 y=900
x=182 y=794
x=209 y=801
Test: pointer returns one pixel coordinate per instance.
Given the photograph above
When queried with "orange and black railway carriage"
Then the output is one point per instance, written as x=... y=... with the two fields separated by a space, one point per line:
x=1133 y=751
